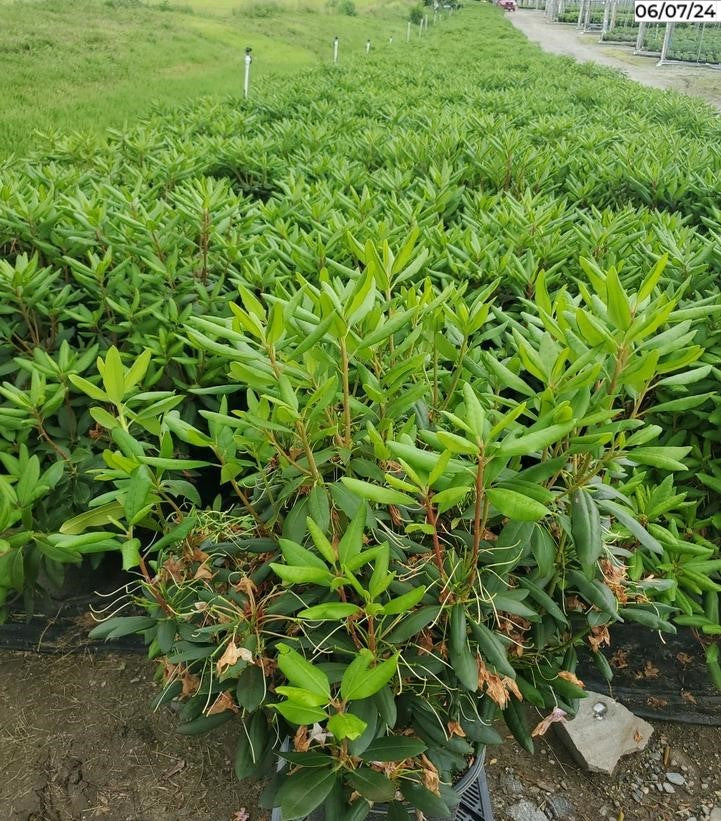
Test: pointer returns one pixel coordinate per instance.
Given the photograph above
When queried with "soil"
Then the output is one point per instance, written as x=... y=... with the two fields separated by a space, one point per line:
x=556 y=787
x=78 y=741
x=564 y=39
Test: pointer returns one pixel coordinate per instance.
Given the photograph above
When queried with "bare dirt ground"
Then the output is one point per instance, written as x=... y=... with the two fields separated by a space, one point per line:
x=78 y=741
x=560 y=38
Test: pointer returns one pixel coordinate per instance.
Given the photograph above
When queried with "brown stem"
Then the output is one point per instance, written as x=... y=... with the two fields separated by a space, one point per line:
x=346 y=393
x=432 y=520
x=46 y=436
x=479 y=515
x=158 y=598
x=249 y=507
x=308 y=451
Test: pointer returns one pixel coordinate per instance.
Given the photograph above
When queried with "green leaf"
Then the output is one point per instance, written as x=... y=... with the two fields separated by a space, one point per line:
x=457 y=444
x=424 y=800
x=652 y=278
x=346 y=725
x=619 y=310
x=96 y=517
x=452 y=496
x=302 y=697
x=351 y=542
x=250 y=689
x=303 y=791
x=360 y=680
x=516 y=505
x=393 y=748
x=301 y=673
x=323 y=545
x=297 y=556
x=136 y=494
x=535 y=441
x=302 y=575
x=331 y=611
x=114 y=376
x=130 y=552
x=626 y=518
x=476 y=416
x=88 y=388
x=299 y=713
x=378 y=493
x=405 y=602
x=411 y=625
x=371 y=784
x=664 y=458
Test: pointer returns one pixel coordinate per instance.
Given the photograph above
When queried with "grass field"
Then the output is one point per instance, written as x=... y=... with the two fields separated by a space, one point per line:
x=98 y=63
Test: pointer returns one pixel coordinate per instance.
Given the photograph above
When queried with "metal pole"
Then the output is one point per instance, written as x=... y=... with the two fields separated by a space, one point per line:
x=666 y=43
x=581 y=10
x=246 y=81
x=335 y=49
x=641 y=35
x=587 y=18
x=606 y=14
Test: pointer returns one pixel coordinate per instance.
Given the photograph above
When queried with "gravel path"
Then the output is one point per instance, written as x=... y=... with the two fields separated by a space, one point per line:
x=560 y=38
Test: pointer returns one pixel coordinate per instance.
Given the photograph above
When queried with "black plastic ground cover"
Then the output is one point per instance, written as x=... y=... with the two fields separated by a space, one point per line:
x=63 y=628
x=658 y=677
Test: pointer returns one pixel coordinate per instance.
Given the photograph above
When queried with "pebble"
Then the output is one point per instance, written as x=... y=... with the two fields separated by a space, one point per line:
x=510 y=784
x=669 y=789
x=560 y=807
x=676 y=778
x=715 y=814
x=526 y=811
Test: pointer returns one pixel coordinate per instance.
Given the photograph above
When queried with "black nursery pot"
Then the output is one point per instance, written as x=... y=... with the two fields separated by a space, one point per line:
x=471 y=788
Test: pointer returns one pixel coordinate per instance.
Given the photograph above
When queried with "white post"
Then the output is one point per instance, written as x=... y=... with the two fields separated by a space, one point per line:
x=587 y=18
x=408 y=33
x=606 y=16
x=368 y=46
x=639 y=39
x=335 y=49
x=246 y=81
x=581 y=10
x=390 y=41
x=666 y=42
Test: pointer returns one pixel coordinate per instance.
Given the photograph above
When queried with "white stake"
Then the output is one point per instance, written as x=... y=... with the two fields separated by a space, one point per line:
x=368 y=47
x=246 y=81
x=408 y=33
x=390 y=41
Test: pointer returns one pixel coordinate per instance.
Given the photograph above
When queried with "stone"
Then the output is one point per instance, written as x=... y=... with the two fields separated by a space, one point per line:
x=558 y=806
x=525 y=811
x=598 y=743
x=715 y=814
x=675 y=778
x=510 y=785
x=668 y=788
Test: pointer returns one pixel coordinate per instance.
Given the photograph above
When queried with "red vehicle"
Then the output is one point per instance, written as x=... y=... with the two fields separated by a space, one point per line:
x=507 y=5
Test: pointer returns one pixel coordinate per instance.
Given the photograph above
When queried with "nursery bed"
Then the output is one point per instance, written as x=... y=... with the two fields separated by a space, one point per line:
x=78 y=741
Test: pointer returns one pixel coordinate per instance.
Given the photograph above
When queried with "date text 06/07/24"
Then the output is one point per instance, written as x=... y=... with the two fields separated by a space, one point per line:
x=673 y=11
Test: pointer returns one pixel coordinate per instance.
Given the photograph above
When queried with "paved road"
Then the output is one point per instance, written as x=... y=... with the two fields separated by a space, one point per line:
x=563 y=39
